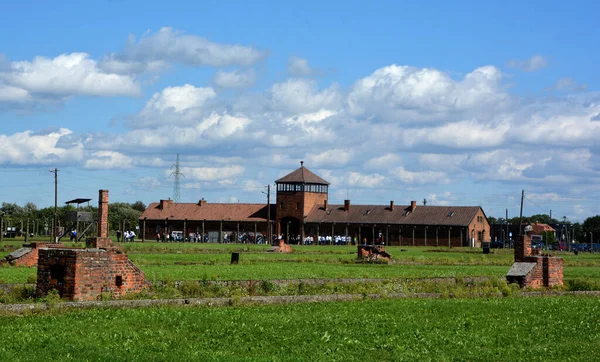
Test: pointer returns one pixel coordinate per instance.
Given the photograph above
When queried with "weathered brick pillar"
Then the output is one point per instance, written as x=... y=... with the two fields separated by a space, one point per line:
x=103 y=213
x=523 y=248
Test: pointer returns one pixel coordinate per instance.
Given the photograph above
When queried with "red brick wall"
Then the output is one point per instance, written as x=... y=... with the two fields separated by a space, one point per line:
x=523 y=248
x=290 y=208
x=553 y=271
x=88 y=273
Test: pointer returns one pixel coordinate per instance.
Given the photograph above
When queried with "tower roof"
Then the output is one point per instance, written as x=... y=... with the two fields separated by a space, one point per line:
x=302 y=175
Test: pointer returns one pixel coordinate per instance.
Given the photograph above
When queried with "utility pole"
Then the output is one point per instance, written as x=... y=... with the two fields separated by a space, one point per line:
x=269 y=237
x=506 y=235
x=54 y=219
x=521 y=214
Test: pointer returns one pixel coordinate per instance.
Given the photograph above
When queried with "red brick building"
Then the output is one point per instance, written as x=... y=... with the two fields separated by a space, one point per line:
x=302 y=210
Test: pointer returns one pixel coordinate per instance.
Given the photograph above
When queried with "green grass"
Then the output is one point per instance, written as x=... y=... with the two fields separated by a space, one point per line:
x=507 y=329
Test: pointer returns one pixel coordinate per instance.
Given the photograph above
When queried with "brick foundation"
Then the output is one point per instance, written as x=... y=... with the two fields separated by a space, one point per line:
x=28 y=254
x=85 y=274
x=534 y=271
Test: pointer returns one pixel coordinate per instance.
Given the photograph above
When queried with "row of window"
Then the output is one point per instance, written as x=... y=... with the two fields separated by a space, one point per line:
x=302 y=187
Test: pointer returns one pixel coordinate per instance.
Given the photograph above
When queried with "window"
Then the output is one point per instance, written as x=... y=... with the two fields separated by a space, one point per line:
x=119 y=281
x=281 y=203
x=298 y=206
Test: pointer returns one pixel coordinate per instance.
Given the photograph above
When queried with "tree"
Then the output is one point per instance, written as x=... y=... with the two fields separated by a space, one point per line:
x=592 y=225
x=492 y=220
x=139 y=206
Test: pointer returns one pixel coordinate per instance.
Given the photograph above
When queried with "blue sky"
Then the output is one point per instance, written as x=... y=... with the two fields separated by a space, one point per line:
x=460 y=103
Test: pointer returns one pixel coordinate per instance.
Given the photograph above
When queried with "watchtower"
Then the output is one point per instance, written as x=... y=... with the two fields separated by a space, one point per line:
x=297 y=193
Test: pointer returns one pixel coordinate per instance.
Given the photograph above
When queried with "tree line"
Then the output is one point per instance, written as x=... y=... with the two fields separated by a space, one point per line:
x=582 y=232
x=40 y=220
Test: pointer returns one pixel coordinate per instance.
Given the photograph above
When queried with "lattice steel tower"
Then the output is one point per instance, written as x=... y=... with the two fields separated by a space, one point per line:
x=177 y=174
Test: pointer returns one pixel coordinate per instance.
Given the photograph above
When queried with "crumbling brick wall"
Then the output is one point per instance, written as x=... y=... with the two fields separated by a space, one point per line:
x=87 y=274
x=545 y=271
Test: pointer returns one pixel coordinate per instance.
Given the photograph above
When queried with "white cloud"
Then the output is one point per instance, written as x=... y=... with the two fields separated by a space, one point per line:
x=29 y=148
x=331 y=158
x=154 y=51
x=418 y=177
x=358 y=179
x=234 y=79
x=303 y=96
x=64 y=76
x=460 y=135
x=108 y=160
x=13 y=94
x=408 y=94
x=299 y=67
x=383 y=162
x=148 y=183
x=210 y=173
x=177 y=105
x=534 y=63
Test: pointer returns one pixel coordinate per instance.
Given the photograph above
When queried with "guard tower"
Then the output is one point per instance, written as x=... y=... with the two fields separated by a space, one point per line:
x=297 y=194
x=74 y=218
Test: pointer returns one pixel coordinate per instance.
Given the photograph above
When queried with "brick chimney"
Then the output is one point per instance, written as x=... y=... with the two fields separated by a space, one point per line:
x=523 y=248
x=164 y=203
x=346 y=205
x=202 y=202
x=103 y=213
x=325 y=205
x=392 y=205
x=413 y=206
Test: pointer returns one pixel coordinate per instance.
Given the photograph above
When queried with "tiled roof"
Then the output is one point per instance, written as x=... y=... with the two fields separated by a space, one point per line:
x=208 y=211
x=539 y=228
x=383 y=214
x=302 y=175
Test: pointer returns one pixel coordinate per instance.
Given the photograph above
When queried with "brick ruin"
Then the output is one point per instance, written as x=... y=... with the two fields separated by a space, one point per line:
x=373 y=253
x=28 y=254
x=85 y=274
x=534 y=271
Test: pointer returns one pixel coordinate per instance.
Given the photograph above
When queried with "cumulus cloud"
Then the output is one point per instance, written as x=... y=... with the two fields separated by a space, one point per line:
x=64 y=76
x=408 y=94
x=532 y=64
x=299 y=67
x=177 y=105
x=211 y=173
x=302 y=95
x=332 y=158
x=154 y=51
x=418 y=177
x=357 y=179
x=234 y=79
x=30 y=148
x=108 y=160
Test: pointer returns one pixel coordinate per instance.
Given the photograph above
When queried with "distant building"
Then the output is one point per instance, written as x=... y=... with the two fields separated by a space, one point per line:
x=302 y=212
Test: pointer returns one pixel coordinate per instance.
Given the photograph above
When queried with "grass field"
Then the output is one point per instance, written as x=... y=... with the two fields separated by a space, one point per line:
x=506 y=329
x=194 y=261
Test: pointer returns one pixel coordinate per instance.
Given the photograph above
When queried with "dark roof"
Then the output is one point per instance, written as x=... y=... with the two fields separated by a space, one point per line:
x=208 y=211
x=77 y=201
x=302 y=175
x=383 y=214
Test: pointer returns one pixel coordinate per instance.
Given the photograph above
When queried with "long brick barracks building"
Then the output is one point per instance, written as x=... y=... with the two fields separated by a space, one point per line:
x=302 y=210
